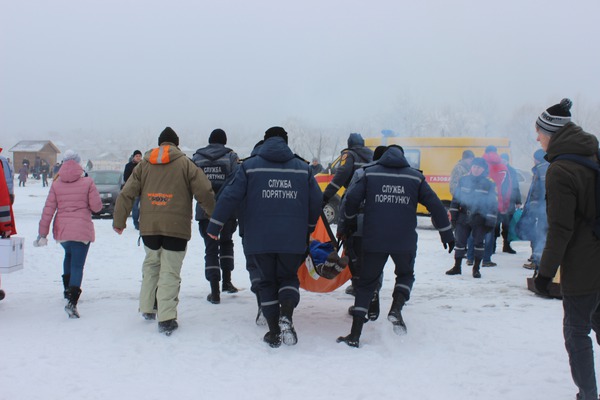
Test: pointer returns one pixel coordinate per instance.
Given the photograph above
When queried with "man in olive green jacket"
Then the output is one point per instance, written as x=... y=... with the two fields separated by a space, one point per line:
x=166 y=180
x=571 y=243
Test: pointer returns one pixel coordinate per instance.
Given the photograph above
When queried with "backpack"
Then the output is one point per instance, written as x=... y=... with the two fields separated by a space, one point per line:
x=594 y=165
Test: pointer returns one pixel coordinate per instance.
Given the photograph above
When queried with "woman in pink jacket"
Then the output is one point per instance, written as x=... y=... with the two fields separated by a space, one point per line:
x=71 y=201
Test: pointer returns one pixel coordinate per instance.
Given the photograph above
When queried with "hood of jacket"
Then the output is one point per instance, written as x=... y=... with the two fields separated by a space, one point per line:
x=355 y=139
x=363 y=152
x=163 y=154
x=276 y=150
x=571 y=139
x=393 y=158
x=213 y=151
x=492 y=158
x=70 y=171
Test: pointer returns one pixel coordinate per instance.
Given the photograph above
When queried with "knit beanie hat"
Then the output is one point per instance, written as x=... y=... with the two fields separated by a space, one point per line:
x=480 y=162
x=539 y=155
x=217 y=136
x=355 y=139
x=378 y=152
x=71 y=155
x=276 y=131
x=136 y=152
x=555 y=117
x=168 y=135
x=468 y=154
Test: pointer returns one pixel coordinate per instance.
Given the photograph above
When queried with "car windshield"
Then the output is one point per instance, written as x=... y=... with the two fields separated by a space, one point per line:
x=105 y=177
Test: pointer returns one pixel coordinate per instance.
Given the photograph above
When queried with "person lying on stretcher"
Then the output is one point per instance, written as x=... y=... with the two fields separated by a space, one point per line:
x=326 y=260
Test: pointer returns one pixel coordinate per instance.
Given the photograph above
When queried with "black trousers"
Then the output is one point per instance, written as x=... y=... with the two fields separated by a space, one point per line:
x=581 y=315
x=278 y=280
x=371 y=273
x=155 y=242
x=218 y=254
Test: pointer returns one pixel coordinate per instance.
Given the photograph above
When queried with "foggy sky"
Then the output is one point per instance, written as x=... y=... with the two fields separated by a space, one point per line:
x=121 y=65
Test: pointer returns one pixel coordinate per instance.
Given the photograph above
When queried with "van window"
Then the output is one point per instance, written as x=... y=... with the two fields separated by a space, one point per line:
x=413 y=156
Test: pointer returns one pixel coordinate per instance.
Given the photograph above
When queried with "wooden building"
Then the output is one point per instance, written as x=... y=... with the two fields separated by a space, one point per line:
x=33 y=150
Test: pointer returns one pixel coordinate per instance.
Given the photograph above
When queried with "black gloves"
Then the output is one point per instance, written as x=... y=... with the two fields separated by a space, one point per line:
x=12 y=199
x=541 y=284
x=449 y=246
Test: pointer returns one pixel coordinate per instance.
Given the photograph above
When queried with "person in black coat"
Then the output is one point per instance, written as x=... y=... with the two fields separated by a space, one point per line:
x=281 y=203
x=218 y=163
x=134 y=160
x=315 y=167
x=355 y=156
x=515 y=202
x=473 y=211
x=391 y=191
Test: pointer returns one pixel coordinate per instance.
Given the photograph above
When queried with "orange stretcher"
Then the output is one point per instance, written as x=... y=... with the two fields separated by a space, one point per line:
x=309 y=278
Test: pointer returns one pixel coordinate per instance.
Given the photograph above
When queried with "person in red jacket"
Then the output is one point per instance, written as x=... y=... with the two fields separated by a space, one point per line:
x=7 y=219
x=498 y=172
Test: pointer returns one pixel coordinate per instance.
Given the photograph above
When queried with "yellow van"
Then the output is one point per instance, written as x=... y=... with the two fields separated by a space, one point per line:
x=435 y=156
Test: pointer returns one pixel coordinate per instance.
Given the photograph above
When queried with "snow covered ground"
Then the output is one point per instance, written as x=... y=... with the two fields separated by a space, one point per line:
x=467 y=338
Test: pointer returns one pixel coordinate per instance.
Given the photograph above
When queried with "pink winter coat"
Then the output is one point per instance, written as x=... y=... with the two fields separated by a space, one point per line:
x=73 y=198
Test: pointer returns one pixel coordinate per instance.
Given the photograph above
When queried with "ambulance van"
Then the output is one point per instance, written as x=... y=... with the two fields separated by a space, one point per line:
x=434 y=156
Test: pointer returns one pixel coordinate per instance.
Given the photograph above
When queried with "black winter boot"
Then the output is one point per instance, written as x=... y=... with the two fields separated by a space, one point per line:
x=476 y=273
x=353 y=338
x=373 y=312
x=507 y=249
x=273 y=337
x=395 y=315
x=2 y=295
x=227 y=285
x=167 y=327
x=286 y=326
x=73 y=296
x=456 y=270
x=66 y=278
x=215 y=295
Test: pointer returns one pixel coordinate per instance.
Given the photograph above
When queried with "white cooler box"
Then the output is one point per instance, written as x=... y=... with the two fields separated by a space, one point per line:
x=11 y=254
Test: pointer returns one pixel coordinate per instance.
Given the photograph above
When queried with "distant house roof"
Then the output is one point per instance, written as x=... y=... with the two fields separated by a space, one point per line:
x=107 y=156
x=32 y=146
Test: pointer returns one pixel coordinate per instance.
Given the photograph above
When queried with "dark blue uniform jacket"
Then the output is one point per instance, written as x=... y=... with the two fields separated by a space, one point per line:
x=391 y=190
x=218 y=163
x=475 y=201
x=282 y=201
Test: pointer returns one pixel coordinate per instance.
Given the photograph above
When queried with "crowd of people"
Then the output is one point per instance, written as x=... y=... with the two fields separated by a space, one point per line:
x=274 y=199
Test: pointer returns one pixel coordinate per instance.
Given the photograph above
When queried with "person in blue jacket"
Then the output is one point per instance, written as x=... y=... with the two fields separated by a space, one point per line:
x=534 y=218
x=281 y=203
x=251 y=267
x=473 y=211
x=391 y=190
x=218 y=163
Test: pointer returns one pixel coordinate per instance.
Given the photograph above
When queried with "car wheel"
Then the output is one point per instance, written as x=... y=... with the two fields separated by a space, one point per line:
x=332 y=210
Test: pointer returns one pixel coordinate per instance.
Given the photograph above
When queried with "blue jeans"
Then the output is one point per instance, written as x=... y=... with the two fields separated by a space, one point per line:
x=488 y=249
x=582 y=314
x=75 y=255
x=135 y=213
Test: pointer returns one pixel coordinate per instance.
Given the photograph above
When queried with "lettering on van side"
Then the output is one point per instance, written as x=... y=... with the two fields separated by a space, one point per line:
x=437 y=178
